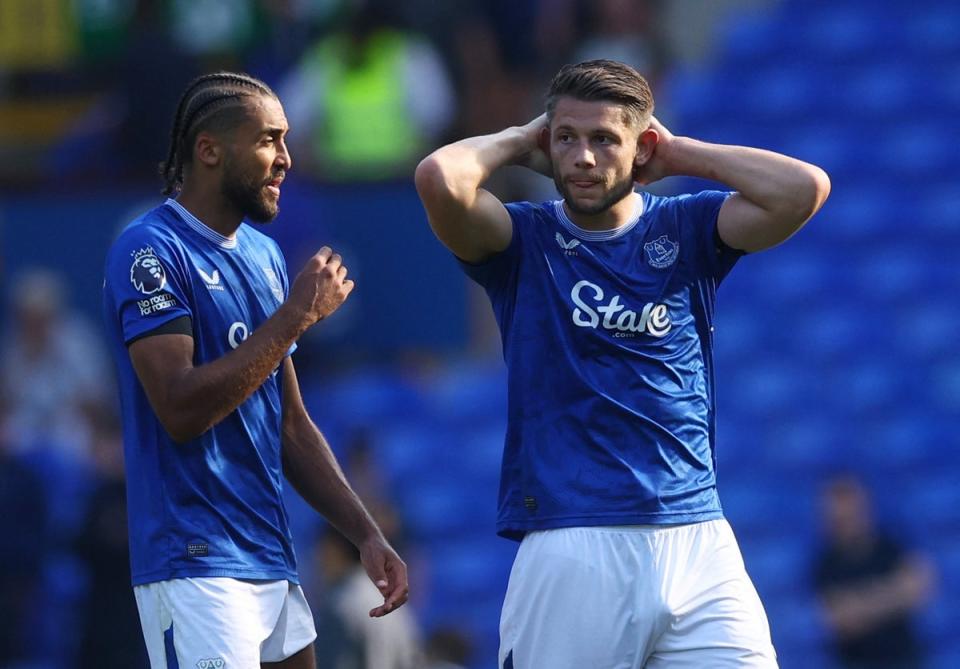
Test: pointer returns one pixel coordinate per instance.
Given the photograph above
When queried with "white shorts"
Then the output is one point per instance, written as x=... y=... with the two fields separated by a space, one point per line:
x=630 y=597
x=209 y=623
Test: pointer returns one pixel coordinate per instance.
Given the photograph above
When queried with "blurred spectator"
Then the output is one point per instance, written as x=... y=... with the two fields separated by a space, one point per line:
x=491 y=86
x=104 y=27
x=215 y=30
x=369 y=481
x=869 y=585
x=367 y=101
x=54 y=373
x=23 y=524
x=621 y=30
x=347 y=637
x=110 y=636
x=150 y=83
x=447 y=648
x=287 y=28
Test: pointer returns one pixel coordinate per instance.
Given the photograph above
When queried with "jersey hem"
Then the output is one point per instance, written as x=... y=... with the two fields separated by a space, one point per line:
x=516 y=529
x=247 y=574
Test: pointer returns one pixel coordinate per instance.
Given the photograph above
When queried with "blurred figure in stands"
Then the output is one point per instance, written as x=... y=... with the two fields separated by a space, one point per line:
x=347 y=637
x=448 y=648
x=54 y=371
x=367 y=100
x=869 y=585
x=110 y=636
x=23 y=524
x=622 y=30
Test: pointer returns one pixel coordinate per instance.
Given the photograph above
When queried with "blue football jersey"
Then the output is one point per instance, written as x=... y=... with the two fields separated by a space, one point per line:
x=607 y=337
x=211 y=506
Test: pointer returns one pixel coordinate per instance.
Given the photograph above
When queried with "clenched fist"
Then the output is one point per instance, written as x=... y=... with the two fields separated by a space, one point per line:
x=321 y=286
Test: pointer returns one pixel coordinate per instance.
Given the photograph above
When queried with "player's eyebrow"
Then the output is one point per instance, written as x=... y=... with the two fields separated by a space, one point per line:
x=600 y=130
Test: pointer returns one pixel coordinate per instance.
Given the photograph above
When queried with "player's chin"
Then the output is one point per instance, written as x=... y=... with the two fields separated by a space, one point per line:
x=589 y=205
x=264 y=212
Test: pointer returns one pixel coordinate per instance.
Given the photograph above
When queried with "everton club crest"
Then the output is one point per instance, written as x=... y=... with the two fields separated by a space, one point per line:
x=661 y=252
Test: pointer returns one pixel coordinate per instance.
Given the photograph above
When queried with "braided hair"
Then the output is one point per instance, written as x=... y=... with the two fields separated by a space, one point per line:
x=211 y=102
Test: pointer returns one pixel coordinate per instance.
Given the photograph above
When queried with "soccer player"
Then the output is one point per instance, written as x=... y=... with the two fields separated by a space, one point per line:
x=202 y=324
x=605 y=305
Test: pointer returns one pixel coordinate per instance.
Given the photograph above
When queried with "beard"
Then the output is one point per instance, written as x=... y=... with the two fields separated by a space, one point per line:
x=617 y=192
x=247 y=194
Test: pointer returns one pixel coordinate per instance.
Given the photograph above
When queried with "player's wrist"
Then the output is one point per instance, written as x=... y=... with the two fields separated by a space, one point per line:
x=293 y=319
x=520 y=144
x=681 y=156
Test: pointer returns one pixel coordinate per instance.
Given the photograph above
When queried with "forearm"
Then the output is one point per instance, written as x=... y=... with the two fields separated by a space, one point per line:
x=778 y=184
x=312 y=469
x=901 y=591
x=858 y=608
x=462 y=167
x=203 y=396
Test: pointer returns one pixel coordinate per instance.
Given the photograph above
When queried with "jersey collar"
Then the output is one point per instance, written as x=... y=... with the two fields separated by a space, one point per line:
x=598 y=235
x=197 y=226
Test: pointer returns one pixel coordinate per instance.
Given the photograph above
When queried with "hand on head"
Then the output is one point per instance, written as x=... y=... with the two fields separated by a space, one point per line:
x=652 y=162
x=537 y=132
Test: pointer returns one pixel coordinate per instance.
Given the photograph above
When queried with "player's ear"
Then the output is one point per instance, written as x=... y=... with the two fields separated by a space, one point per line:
x=646 y=145
x=543 y=139
x=208 y=149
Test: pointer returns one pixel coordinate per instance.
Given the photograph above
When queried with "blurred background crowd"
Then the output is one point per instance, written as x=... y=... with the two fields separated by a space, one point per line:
x=837 y=354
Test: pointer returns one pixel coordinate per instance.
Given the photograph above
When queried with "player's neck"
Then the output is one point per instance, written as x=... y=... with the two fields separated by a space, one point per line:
x=211 y=211
x=616 y=216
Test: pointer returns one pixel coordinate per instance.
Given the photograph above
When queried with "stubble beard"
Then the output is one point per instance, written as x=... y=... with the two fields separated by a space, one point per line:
x=619 y=191
x=247 y=195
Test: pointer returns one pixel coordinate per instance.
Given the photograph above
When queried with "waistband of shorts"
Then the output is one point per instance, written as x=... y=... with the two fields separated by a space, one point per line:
x=640 y=529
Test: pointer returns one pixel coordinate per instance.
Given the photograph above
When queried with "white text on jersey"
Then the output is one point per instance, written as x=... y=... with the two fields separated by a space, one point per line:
x=653 y=319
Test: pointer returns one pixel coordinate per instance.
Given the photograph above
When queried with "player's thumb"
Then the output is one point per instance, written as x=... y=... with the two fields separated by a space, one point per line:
x=378 y=575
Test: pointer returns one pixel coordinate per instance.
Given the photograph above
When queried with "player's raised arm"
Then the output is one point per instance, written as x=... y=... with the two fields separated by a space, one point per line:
x=469 y=220
x=775 y=194
x=189 y=400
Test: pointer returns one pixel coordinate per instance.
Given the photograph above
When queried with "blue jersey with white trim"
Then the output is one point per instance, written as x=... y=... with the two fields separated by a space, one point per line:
x=211 y=506
x=607 y=337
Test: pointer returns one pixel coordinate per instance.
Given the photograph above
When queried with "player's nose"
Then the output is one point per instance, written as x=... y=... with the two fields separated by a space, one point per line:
x=584 y=157
x=283 y=158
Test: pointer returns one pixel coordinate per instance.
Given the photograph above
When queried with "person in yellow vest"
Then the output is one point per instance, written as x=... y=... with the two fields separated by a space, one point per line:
x=367 y=100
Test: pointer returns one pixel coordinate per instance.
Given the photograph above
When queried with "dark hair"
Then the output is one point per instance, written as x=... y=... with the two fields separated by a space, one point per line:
x=604 y=80
x=211 y=102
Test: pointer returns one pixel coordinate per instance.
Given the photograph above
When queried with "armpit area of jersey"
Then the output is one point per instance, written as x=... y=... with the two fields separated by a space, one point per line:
x=181 y=325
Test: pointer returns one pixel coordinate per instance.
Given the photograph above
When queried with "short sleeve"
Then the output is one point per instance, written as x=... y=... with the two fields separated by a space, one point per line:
x=146 y=282
x=705 y=251
x=498 y=273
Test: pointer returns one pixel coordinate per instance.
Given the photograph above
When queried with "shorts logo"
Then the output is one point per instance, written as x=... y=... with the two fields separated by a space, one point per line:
x=198 y=549
x=213 y=663
x=661 y=252
x=146 y=272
